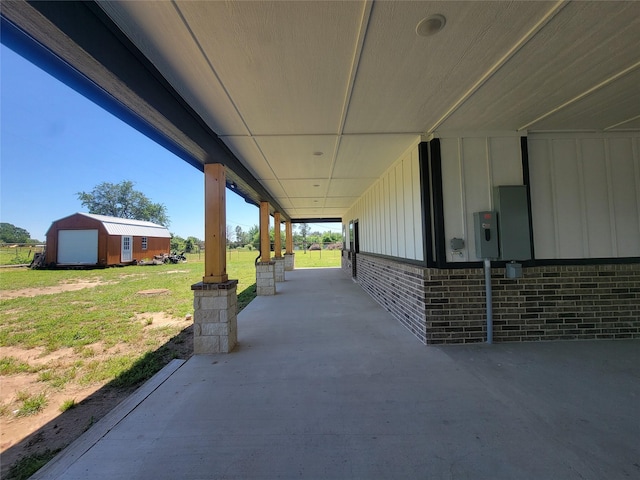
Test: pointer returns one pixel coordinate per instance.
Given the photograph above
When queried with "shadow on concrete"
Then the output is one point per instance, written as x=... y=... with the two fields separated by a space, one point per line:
x=40 y=446
x=35 y=450
x=326 y=384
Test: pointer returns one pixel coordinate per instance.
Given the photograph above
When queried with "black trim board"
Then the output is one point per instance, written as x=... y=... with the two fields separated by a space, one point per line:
x=77 y=41
x=317 y=220
x=435 y=164
x=583 y=261
x=417 y=263
x=425 y=199
x=526 y=181
x=502 y=263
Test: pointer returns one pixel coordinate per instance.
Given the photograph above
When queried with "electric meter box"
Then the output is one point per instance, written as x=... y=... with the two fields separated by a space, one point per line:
x=510 y=201
x=486 y=234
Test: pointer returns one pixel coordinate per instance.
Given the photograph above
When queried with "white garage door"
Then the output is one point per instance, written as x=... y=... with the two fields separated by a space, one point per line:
x=78 y=247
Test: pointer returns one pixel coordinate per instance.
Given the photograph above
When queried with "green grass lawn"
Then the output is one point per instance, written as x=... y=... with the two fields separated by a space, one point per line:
x=108 y=326
x=108 y=314
x=17 y=255
x=318 y=258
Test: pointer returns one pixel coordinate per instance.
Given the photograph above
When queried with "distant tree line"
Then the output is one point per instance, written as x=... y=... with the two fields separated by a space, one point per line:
x=302 y=236
x=9 y=233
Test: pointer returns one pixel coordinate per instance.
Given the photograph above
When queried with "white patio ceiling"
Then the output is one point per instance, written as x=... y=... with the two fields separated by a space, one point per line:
x=317 y=99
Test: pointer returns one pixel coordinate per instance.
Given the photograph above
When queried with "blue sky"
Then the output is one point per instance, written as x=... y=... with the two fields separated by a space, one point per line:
x=55 y=143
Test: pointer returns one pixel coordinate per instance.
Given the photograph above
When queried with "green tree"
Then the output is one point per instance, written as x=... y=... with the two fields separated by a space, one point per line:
x=239 y=235
x=177 y=243
x=254 y=237
x=331 y=237
x=122 y=201
x=229 y=233
x=191 y=244
x=11 y=234
x=314 y=237
x=304 y=231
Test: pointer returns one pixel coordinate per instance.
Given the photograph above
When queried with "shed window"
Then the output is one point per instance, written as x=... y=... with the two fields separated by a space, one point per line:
x=144 y=243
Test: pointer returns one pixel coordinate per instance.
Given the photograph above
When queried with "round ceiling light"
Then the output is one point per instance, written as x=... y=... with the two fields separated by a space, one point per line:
x=431 y=25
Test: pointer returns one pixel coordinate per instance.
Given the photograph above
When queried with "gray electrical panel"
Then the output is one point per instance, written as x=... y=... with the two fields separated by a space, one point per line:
x=486 y=234
x=510 y=202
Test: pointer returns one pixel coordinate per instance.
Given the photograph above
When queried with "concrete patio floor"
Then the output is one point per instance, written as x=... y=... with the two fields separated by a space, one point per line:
x=327 y=385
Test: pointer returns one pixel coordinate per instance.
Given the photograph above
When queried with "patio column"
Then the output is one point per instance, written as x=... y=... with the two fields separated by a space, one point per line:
x=289 y=256
x=215 y=221
x=215 y=298
x=276 y=235
x=265 y=268
x=278 y=258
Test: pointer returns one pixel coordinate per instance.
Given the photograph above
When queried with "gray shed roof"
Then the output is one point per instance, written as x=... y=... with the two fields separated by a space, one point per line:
x=126 y=226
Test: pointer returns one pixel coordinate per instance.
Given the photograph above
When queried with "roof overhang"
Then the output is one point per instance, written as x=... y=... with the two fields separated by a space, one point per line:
x=307 y=104
x=69 y=40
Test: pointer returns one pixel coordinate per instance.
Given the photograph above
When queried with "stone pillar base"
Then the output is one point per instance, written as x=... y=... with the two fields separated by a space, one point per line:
x=215 y=321
x=289 y=261
x=279 y=268
x=266 y=278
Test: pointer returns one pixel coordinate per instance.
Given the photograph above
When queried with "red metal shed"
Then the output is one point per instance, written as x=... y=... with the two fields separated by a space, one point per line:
x=87 y=239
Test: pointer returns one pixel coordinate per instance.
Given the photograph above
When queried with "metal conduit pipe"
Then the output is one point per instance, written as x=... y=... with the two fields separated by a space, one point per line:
x=489 y=299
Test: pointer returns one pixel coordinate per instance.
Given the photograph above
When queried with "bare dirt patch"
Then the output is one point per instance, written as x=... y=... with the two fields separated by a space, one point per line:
x=154 y=291
x=63 y=287
x=15 y=428
x=50 y=429
x=161 y=319
x=132 y=275
x=35 y=356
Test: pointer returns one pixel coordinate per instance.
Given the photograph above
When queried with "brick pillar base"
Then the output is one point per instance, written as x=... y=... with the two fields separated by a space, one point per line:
x=289 y=261
x=279 y=268
x=215 y=322
x=266 y=278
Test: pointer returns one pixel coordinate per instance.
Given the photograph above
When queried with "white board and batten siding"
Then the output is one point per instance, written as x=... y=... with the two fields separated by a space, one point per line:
x=585 y=195
x=471 y=167
x=389 y=213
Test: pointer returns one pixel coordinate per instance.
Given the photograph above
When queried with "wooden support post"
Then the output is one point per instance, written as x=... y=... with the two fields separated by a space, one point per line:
x=277 y=241
x=289 y=257
x=289 y=241
x=215 y=239
x=265 y=244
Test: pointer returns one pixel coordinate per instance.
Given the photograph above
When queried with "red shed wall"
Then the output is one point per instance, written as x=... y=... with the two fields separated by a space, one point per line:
x=75 y=222
x=109 y=246
x=155 y=246
x=114 y=249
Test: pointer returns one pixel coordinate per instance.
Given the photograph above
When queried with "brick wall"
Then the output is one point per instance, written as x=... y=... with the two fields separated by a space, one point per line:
x=398 y=287
x=548 y=303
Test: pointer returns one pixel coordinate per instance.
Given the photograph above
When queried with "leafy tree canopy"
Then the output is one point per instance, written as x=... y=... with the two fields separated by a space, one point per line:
x=190 y=244
x=11 y=234
x=121 y=200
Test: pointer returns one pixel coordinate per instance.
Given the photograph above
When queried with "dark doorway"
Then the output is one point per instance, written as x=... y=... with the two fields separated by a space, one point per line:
x=355 y=248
